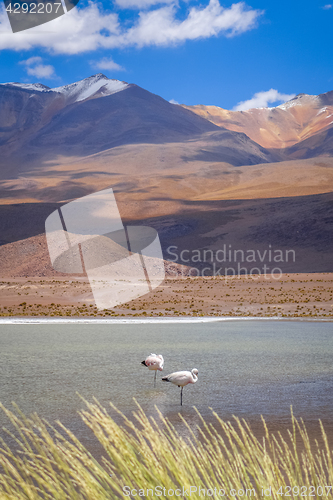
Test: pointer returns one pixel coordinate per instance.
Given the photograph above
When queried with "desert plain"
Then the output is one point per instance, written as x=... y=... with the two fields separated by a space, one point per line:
x=298 y=295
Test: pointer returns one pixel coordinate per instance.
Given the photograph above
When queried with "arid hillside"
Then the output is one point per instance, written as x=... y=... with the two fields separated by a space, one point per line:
x=279 y=127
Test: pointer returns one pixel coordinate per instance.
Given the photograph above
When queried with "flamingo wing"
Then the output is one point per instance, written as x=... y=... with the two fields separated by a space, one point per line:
x=179 y=378
x=154 y=362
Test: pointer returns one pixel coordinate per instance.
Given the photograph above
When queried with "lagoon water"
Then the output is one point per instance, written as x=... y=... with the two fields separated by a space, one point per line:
x=246 y=368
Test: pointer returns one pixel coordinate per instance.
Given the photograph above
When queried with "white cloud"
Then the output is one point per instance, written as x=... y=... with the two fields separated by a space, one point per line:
x=32 y=60
x=34 y=67
x=328 y=6
x=42 y=71
x=172 y=101
x=106 y=64
x=78 y=31
x=262 y=99
x=140 y=4
x=88 y=29
x=160 y=27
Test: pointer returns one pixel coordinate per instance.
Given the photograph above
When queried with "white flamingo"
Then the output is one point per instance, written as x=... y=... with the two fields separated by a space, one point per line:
x=181 y=379
x=154 y=362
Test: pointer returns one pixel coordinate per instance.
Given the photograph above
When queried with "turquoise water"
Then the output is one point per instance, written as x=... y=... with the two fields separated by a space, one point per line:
x=246 y=368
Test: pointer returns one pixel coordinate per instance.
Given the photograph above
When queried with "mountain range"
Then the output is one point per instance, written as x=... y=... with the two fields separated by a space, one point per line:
x=200 y=174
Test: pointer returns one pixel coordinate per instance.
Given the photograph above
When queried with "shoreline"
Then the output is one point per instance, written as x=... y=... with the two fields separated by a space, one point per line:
x=120 y=321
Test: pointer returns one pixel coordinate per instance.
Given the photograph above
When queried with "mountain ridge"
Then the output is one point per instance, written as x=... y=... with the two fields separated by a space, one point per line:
x=277 y=127
x=273 y=128
x=96 y=114
x=77 y=89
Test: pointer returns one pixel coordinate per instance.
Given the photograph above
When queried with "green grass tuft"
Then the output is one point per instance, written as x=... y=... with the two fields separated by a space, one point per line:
x=52 y=464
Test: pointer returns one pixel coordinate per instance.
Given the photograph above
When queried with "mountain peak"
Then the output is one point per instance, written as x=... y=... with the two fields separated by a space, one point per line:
x=299 y=100
x=98 y=75
x=96 y=85
x=93 y=86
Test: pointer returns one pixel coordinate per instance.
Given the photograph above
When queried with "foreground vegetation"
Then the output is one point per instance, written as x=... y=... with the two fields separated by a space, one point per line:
x=145 y=454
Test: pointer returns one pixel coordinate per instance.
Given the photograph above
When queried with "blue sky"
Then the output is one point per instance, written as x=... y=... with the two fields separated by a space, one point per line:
x=194 y=52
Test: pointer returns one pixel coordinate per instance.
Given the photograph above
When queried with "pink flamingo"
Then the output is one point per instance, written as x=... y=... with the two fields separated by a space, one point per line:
x=181 y=379
x=154 y=362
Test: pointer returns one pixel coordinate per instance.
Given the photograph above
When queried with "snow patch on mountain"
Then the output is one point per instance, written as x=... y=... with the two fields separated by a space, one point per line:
x=79 y=91
x=289 y=104
x=322 y=110
x=299 y=100
x=39 y=87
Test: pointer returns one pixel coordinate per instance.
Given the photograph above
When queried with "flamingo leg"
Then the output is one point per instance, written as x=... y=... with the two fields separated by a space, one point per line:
x=181 y=396
x=155 y=378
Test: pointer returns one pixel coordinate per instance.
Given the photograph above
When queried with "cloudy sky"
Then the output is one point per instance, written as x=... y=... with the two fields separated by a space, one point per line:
x=234 y=55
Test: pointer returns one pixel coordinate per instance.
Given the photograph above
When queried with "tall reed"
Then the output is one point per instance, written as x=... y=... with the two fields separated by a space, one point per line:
x=224 y=460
